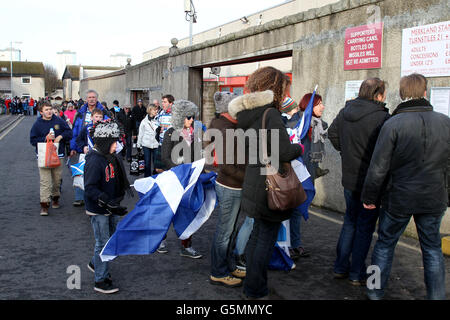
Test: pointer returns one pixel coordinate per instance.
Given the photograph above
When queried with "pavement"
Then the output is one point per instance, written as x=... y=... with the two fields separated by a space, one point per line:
x=37 y=252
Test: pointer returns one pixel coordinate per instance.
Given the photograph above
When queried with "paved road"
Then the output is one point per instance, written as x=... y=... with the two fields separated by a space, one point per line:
x=36 y=251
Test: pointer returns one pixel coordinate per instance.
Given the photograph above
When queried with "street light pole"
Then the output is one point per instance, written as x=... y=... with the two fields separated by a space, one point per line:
x=10 y=69
x=11 y=66
x=191 y=16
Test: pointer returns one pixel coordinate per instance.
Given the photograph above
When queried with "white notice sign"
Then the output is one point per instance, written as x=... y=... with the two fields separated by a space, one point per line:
x=352 y=89
x=440 y=100
x=426 y=50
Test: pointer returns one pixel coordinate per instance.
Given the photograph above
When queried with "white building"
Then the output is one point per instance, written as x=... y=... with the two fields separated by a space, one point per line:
x=73 y=74
x=5 y=54
x=27 y=79
x=119 y=59
x=65 y=58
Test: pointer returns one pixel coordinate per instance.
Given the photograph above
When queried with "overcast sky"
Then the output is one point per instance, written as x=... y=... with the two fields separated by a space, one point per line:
x=95 y=29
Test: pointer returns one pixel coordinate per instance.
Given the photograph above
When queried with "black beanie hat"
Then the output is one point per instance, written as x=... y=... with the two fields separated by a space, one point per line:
x=104 y=134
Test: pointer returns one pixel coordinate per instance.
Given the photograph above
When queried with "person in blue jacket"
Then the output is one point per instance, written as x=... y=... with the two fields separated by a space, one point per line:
x=81 y=120
x=54 y=128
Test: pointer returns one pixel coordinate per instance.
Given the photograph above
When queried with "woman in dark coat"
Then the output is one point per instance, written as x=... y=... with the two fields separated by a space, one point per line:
x=268 y=87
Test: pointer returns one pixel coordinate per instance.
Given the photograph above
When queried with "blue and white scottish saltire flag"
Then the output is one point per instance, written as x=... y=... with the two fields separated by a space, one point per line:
x=301 y=128
x=181 y=195
x=78 y=168
x=281 y=259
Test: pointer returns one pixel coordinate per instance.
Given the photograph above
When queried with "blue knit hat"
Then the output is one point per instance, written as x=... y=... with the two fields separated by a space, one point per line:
x=288 y=105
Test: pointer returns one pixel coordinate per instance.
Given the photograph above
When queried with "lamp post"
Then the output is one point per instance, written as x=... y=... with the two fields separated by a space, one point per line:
x=11 y=66
x=191 y=16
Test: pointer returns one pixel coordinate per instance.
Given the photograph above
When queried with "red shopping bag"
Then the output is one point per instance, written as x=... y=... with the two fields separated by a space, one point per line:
x=51 y=155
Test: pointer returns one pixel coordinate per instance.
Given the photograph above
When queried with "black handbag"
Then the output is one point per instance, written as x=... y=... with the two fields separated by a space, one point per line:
x=284 y=190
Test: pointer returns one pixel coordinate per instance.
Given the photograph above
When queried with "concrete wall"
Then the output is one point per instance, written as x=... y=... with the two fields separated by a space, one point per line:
x=67 y=89
x=76 y=90
x=35 y=89
x=109 y=88
x=209 y=108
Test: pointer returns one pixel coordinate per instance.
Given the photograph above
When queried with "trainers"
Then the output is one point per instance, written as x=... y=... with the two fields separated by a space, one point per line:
x=190 y=253
x=226 y=281
x=294 y=254
x=238 y=273
x=91 y=266
x=162 y=247
x=302 y=252
x=358 y=283
x=340 y=275
x=105 y=286
x=240 y=263
x=78 y=203
x=55 y=202
x=44 y=208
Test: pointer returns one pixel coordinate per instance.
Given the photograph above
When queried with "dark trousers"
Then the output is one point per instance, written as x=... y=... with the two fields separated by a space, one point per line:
x=149 y=158
x=258 y=253
x=355 y=238
x=129 y=146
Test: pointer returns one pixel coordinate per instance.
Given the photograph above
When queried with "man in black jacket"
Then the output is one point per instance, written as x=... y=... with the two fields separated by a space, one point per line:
x=139 y=112
x=130 y=130
x=354 y=133
x=411 y=155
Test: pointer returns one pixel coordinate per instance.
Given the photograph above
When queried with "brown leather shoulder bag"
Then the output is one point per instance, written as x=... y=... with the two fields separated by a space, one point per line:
x=284 y=190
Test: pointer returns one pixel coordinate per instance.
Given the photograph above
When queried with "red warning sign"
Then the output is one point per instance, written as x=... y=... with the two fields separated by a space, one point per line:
x=363 y=47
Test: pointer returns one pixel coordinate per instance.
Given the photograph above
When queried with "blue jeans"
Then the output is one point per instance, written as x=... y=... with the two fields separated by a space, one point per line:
x=257 y=255
x=356 y=237
x=243 y=235
x=390 y=229
x=294 y=226
x=104 y=227
x=79 y=194
x=149 y=158
x=222 y=259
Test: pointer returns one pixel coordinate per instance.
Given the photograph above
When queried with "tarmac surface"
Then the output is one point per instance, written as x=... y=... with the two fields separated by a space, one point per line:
x=35 y=251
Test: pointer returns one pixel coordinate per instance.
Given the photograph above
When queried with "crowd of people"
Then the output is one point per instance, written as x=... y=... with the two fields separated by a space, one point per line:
x=391 y=170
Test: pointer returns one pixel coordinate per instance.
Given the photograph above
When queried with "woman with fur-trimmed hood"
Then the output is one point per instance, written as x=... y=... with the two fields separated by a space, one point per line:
x=268 y=88
x=184 y=113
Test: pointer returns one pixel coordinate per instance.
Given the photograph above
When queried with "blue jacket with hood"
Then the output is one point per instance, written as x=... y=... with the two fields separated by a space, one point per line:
x=78 y=124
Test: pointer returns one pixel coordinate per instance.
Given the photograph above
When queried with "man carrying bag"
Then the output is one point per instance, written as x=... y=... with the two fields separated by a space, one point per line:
x=48 y=135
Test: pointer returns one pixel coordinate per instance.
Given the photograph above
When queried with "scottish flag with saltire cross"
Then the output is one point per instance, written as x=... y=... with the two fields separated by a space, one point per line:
x=182 y=195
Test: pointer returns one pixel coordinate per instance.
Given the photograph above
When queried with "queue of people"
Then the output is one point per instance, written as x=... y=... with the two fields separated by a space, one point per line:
x=390 y=172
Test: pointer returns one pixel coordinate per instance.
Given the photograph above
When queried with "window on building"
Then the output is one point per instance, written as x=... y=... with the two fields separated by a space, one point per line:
x=238 y=90
x=26 y=80
x=26 y=96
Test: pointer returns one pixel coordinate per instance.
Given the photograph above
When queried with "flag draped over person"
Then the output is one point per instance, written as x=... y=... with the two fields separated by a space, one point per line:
x=182 y=195
x=281 y=259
